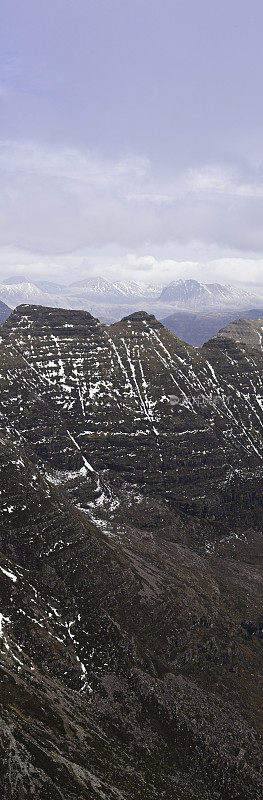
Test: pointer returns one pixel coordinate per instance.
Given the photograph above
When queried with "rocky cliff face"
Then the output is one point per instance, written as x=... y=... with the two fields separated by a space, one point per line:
x=130 y=524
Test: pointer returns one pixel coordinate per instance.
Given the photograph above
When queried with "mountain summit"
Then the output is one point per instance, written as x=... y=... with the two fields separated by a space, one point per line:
x=195 y=296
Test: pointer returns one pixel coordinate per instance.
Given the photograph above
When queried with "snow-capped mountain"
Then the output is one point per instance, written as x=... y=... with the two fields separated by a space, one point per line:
x=50 y=287
x=15 y=279
x=111 y=300
x=114 y=291
x=19 y=289
x=137 y=290
x=93 y=286
x=195 y=296
x=25 y=292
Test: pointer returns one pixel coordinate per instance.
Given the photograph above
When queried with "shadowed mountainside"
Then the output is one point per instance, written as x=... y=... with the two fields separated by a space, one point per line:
x=5 y=311
x=197 y=328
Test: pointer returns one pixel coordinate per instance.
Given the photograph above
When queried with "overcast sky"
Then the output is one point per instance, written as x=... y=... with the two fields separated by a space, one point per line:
x=132 y=139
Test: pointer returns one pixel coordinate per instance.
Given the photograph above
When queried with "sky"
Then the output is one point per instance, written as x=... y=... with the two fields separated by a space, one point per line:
x=131 y=139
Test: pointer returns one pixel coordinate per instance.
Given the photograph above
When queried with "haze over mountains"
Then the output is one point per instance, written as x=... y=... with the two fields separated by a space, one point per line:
x=193 y=310
x=4 y=312
x=197 y=327
x=184 y=295
x=110 y=301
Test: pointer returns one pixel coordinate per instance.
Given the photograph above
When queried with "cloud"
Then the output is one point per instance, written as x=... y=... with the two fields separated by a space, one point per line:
x=68 y=209
x=69 y=164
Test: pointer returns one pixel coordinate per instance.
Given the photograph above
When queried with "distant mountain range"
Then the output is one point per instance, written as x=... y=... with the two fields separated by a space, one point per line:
x=110 y=301
x=114 y=292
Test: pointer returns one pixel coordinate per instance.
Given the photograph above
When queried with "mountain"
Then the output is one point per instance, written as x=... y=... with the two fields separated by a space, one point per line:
x=244 y=331
x=130 y=591
x=4 y=312
x=15 y=279
x=25 y=291
x=118 y=291
x=188 y=294
x=109 y=301
x=139 y=290
x=112 y=300
x=49 y=287
x=45 y=286
x=195 y=296
x=92 y=286
x=197 y=328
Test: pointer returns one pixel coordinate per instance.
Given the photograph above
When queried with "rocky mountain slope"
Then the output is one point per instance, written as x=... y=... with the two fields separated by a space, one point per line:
x=130 y=524
x=244 y=331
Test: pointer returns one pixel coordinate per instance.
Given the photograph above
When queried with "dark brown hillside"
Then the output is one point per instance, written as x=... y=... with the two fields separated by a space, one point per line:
x=244 y=331
x=140 y=406
x=130 y=582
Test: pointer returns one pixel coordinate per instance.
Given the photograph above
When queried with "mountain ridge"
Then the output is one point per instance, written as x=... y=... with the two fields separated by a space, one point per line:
x=130 y=526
